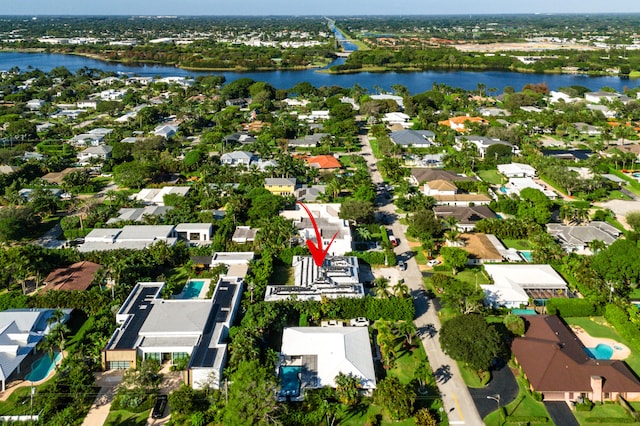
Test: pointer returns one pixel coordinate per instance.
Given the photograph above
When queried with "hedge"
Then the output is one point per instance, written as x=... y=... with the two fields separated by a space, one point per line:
x=619 y=319
x=371 y=257
x=573 y=307
x=526 y=419
x=609 y=420
x=391 y=309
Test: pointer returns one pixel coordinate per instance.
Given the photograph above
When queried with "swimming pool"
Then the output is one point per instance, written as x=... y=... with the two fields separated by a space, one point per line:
x=504 y=190
x=290 y=380
x=524 y=312
x=526 y=255
x=41 y=368
x=602 y=351
x=192 y=289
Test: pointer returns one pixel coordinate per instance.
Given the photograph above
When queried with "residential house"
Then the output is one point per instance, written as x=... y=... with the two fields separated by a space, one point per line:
x=20 y=332
x=78 y=276
x=413 y=138
x=237 y=158
x=132 y=237
x=139 y=214
x=461 y=123
x=578 y=238
x=155 y=196
x=319 y=354
x=101 y=153
x=238 y=138
x=176 y=330
x=386 y=96
x=555 y=363
x=587 y=129
x=27 y=193
x=324 y=162
x=447 y=193
x=466 y=216
x=337 y=277
x=419 y=176
x=166 y=130
x=309 y=141
x=280 y=186
x=87 y=103
x=35 y=104
x=516 y=185
x=515 y=285
x=568 y=154
x=7 y=170
x=482 y=143
x=599 y=96
x=244 y=234
x=310 y=193
x=57 y=177
x=515 y=170
x=605 y=110
x=315 y=116
x=480 y=249
x=397 y=119
x=328 y=221
x=195 y=233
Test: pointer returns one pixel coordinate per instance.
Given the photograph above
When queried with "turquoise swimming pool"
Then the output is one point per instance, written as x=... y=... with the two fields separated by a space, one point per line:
x=526 y=255
x=192 y=289
x=290 y=380
x=524 y=312
x=602 y=351
x=41 y=368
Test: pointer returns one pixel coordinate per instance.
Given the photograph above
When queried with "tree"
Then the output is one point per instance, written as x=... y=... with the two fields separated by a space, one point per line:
x=381 y=287
x=454 y=257
x=251 y=396
x=396 y=399
x=425 y=418
x=423 y=224
x=347 y=387
x=407 y=330
x=515 y=324
x=633 y=220
x=469 y=339
x=462 y=296
x=401 y=289
x=357 y=211
x=181 y=400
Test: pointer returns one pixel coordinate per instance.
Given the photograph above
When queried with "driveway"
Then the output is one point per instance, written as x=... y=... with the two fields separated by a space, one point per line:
x=502 y=383
x=560 y=413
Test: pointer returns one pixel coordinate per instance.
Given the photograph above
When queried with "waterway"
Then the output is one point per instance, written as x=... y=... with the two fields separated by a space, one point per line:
x=416 y=82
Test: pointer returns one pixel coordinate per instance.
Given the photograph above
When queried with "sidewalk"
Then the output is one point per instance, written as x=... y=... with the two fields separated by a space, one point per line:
x=99 y=411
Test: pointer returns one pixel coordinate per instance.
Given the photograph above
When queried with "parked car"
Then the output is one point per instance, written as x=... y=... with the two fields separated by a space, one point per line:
x=359 y=322
x=159 y=406
x=433 y=262
x=402 y=265
x=394 y=241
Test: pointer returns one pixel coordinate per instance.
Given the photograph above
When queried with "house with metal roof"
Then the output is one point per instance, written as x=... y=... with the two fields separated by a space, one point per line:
x=576 y=238
x=413 y=138
x=319 y=354
x=176 y=331
x=155 y=196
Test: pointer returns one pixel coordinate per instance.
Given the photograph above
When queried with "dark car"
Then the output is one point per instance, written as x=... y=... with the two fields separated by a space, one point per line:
x=159 y=406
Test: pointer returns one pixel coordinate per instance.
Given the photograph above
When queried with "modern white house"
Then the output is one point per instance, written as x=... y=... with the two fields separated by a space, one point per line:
x=515 y=170
x=237 y=158
x=132 y=237
x=319 y=354
x=190 y=331
x=20 y=332
x=482 y=143
x=514 y=285
x=516 y=185
x=155 y=196
x=329 y=223
x=338 y=276
x=195 y=233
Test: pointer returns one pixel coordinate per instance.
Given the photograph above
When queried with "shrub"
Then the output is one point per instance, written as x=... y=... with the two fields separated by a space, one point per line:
x=609 y=420
x=573 y=307
x=619 y=319
x=514 y=324
x=585 y=405
x=370 y=257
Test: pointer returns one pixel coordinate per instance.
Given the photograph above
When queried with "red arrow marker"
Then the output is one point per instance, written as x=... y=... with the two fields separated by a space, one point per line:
x=316 y=251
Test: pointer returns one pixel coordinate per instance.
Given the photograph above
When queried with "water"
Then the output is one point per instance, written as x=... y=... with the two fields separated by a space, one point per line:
x=524 y=312
x=527 y=256
x=289 y=380
x=416 y=82
x=602 y=351
x=192 y=289
x=41 y=368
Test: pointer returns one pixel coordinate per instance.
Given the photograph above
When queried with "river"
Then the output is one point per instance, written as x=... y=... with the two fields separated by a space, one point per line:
x=416 y=82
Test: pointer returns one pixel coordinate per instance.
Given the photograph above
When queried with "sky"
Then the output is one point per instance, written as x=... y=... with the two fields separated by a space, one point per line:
x=306 y=7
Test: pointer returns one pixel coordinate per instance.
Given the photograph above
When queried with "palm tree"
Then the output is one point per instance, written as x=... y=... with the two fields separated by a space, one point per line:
x=364 y=233
x=451 y=223
x=596 y=246
x=453 y=237
x=381 y=287
x=400 y=289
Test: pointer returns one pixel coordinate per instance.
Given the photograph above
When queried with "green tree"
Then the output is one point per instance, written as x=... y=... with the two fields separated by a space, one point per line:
x=462 y=296
x=251 y=396
x=357 y=211
x=181 y=400
x=469 y=339
x=395 y=398
x=424 y=417
x=633 y=220
x=381 y=285
x=454 y=257
x=347 y=387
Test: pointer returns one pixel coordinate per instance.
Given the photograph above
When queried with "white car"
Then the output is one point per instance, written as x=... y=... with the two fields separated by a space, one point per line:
x=433 y=262
x=359 y=322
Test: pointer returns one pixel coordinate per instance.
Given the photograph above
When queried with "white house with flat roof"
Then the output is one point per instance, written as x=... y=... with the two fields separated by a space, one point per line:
x=155 y=196
x=197 y=233
x=517 y=170
x=191 y=331
x=321 y=353
x=133 y=237
x=328 y=222
x=515 y=284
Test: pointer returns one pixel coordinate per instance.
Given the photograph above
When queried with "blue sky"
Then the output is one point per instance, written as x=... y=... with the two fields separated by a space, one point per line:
x=305 y=7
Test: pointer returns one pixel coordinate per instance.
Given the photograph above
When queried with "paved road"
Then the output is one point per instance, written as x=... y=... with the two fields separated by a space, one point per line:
x=560 y=413
x=458 y=404
x=502 y=383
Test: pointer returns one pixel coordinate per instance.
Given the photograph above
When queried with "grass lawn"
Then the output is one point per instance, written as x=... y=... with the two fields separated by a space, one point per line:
x=491 y=177
x=617 y=195
x=127 y=418
x=375 y=148
x=635 y=294
x=523 y=405
x=599 y=327
x=604 y=411
x=282 y=275
x=470 y=377
x=18 y=402
x=517 y=244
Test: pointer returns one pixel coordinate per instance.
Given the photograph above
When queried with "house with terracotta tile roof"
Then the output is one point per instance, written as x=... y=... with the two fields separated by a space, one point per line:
x=557 y=365
x=78 y=276
x=324 y=162
x=461 y=123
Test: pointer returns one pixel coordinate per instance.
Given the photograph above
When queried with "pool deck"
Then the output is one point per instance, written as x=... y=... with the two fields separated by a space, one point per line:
x=22 y=382
x=203 y=291
x=620 y=351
